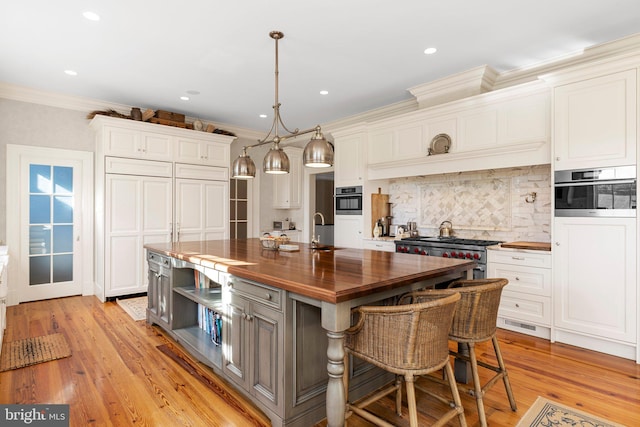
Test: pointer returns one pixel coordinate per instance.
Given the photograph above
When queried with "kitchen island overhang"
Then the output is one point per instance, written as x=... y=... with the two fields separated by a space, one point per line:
x=333 y=280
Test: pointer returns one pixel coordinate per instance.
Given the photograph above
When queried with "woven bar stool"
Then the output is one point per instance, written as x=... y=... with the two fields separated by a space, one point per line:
x=474 y=321
x=409 y=341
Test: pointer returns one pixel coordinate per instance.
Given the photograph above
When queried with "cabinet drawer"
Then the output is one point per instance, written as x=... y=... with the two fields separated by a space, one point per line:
x=529 y=280
x=515 y=257
x=379 y=245
x=264 y=294
x=530 y=308
x=163 y=260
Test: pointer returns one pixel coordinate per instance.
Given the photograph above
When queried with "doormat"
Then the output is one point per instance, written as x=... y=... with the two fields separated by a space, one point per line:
x=134 y=307
x=545 y=413
x=30 y=351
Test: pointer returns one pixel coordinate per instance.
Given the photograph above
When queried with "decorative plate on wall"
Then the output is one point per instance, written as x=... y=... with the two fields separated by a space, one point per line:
x=440 y=144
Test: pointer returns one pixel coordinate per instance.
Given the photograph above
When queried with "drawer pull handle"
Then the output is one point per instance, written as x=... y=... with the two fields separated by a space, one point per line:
x=517 y=278
x=230 y=284
x=518 y=258
x=268 y=296
x=518 y=305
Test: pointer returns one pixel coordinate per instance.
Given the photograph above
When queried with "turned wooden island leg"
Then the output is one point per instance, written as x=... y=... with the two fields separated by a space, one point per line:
x=336 y=403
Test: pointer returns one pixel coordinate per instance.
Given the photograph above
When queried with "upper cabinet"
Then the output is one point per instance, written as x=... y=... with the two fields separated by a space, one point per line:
x=595 y=121
x=122 y=142
x=505 y=128
x=349 y=161
x=287 y=188
x=147 y=141
x=202 y=152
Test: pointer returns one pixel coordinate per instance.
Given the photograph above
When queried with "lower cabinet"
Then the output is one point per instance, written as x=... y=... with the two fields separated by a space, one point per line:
x=347 y=231
x=525 y=305
x=254 y=358
x=379 y=245
x=159 y=291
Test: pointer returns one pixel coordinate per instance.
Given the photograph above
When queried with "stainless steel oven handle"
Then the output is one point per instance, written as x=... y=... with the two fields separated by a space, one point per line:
x=592 y=183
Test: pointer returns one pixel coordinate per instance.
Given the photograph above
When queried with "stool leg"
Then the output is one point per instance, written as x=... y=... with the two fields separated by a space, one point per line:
x=411 y=401
x=505 y=375
x=456 y=395
x=477 y=387
x=399 y=395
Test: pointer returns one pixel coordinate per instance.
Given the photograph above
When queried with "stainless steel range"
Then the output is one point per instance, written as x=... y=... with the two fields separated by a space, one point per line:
x=449 y=247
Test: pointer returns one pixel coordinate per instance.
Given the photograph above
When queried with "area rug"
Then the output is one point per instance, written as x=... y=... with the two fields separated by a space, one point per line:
x=546 y=413
x=134 y=307
x=30 y=351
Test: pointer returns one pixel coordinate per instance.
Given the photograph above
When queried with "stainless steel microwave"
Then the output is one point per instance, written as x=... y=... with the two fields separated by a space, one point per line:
x=349 y=200
x=596 y=192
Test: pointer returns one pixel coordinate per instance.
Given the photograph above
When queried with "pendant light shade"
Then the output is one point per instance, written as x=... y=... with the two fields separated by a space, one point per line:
x=243 y=166
x=318 y=153
x=276 y=161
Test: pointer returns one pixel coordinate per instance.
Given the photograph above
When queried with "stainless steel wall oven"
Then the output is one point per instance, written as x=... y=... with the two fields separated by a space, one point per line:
x=349 y=200
x=597 y=192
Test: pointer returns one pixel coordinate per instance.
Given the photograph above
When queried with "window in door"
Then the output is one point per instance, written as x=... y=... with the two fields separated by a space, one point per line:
x=238 y=209
x=50 y=224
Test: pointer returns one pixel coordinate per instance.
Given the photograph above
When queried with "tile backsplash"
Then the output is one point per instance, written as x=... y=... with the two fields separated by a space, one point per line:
x=495 y=204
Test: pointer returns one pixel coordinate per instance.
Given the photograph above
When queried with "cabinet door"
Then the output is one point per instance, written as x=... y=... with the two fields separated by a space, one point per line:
x=349 y=161
x=138 y=211
x=594 y=273
x=287 y=188
x=236 y=341
x=595 y=122
x=267 y=355
x=134 y=144
x=202 y=210
x=348 y=231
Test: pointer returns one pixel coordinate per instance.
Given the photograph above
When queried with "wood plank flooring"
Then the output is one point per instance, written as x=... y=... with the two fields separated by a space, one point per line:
x=126 y=373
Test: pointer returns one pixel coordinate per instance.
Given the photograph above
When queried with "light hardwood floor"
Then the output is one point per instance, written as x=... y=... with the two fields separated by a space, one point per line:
x=125 y=373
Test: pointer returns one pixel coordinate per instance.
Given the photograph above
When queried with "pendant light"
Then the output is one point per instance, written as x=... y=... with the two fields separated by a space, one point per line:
x=317 y=153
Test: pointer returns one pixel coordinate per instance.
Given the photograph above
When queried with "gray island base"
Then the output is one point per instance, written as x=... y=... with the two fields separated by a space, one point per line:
x=282 y=316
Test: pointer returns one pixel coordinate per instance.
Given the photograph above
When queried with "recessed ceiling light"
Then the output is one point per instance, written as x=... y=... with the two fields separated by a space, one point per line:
x=430 y=51
x=263 y=116
x=324 y=92
x=184 y=98
x=91 y=16
x=70 y=73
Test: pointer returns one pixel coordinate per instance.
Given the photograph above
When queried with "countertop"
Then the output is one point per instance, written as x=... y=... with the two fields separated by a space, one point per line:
x=537 y=246
x=333 y=276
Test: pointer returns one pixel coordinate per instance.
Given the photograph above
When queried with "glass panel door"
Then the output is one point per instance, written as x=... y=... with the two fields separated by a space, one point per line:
x=51 y=213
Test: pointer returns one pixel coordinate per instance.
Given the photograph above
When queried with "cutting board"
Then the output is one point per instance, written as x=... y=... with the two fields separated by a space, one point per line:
x=538 y=246
x=379 y=206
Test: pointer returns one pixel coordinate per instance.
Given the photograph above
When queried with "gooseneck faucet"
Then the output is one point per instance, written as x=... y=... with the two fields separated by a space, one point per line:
x=315 y=240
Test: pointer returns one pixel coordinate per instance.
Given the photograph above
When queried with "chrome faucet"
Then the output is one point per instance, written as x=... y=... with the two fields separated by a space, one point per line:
x=315 y=240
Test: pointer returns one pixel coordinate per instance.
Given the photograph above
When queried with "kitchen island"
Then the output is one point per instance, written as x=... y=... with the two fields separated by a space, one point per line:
x=275 y=307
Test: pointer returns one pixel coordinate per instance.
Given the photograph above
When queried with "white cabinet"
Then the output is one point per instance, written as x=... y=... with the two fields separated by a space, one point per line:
x=139 y=212
x=348 y=231
x=122 y=142
x=595 y=122
x=595 y=284
x=379 y=245
x=144 y=195
x=198 y=151
x=525 y=305
x=201 y=198
x=349 y=161
x=287 y=188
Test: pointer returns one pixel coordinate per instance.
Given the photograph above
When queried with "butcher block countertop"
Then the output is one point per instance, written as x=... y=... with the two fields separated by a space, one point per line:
x=333 y=276
x=538 y=246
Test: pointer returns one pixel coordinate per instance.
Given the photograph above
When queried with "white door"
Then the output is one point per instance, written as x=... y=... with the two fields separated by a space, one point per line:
x=51 y=231
x=139 y=212
x=202 y=210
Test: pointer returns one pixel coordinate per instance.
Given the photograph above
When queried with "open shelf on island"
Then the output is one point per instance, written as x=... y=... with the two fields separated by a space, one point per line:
x=199 y=343
x=187 y=310
x=211 y=297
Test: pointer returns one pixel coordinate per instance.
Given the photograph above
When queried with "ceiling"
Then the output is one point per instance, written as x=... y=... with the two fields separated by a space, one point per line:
x=365 y=53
